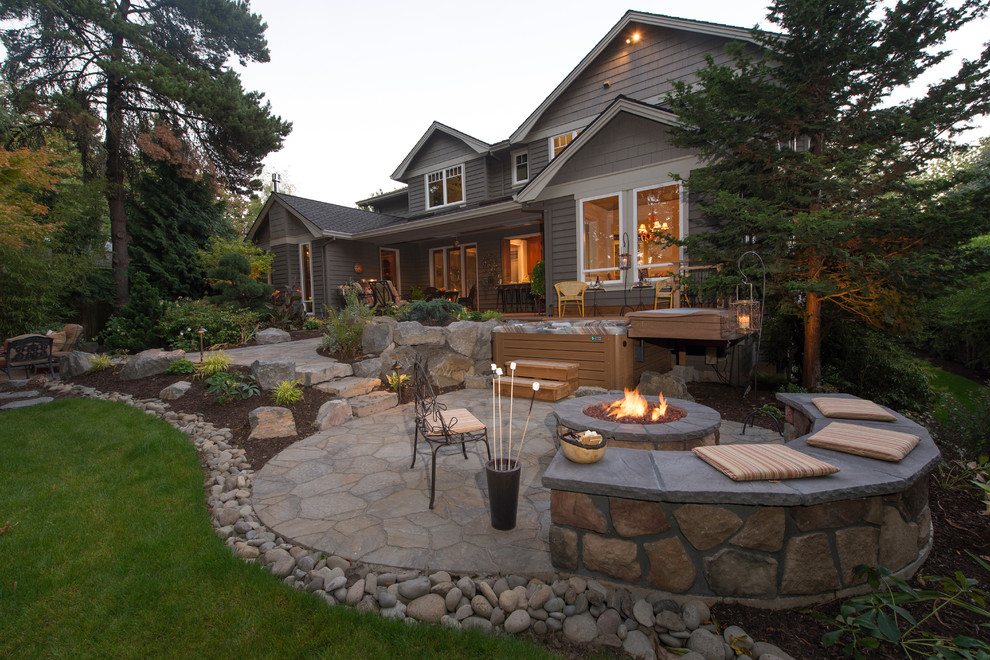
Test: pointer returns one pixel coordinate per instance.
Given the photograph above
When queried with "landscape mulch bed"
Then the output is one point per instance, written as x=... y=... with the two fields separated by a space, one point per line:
x=955 y=514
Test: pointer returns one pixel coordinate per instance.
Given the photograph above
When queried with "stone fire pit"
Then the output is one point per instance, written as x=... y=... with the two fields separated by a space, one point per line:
x=672 y=522
x=698 y=428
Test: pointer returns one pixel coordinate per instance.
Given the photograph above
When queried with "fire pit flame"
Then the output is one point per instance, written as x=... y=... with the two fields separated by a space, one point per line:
x=634 y=405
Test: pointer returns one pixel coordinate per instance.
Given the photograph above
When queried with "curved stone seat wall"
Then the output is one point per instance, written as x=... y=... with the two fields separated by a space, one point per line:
x=672 y=522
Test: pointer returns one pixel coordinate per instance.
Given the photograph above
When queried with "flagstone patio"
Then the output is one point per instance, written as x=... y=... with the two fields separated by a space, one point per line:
x=349 y=491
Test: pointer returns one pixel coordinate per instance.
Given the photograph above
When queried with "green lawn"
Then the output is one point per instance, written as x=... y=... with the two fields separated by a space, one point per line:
x=110 y=553
x=959 y=387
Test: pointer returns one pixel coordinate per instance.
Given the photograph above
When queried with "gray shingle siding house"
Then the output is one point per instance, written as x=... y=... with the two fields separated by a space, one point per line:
x=573 y=185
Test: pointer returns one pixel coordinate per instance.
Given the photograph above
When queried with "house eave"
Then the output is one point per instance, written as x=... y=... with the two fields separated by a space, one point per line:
x=532 y=190
x=439 y=220
x=658 y=20
x=474 y=143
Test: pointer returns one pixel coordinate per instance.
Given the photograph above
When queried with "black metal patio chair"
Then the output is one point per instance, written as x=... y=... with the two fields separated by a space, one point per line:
x=441 y=427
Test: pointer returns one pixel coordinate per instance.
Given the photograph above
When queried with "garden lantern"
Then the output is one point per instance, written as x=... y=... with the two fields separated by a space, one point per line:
x=201 y=332
x=747 y=309
x=625 y=259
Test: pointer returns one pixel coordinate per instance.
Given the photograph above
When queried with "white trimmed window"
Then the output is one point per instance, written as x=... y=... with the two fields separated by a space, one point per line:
x=558 y=142
x=600 y=225
x=520 y=167
x=445 y=187
x=618 y=222
x=306 y=275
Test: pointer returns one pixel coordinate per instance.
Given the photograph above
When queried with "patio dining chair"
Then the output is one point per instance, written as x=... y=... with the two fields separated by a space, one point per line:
x=383 y=294
x=441 y=427
x=570 y=293
x=663 y=290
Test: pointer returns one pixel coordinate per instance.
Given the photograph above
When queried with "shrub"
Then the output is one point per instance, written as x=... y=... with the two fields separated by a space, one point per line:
x=230 y=386
x=181 y=367
x=287 y=309
x=343 y=327
x=288 y=391
x=225 y=324
x=234 y=284
x=869 y=364
x=476 y=315
x=99 y=362
x=135 y=328
x=213 y=363
x=312 y=324
x=438 y=311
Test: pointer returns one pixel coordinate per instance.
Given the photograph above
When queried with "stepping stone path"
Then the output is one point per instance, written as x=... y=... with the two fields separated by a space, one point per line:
x=585 y=610
x=13 y=400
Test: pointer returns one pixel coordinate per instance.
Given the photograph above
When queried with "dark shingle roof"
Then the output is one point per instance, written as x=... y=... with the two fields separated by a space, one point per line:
x=333 y=217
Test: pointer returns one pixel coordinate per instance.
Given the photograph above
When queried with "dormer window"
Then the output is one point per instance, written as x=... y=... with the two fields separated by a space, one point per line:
x=558 y=142
x=445 y=187
x=520 y=167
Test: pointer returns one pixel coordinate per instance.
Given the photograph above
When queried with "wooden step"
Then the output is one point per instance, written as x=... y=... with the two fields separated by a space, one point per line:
x=545 y=369
x=550 y=390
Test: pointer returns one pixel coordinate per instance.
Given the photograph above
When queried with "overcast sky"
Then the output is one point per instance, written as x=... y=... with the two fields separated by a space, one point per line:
x=362 y=81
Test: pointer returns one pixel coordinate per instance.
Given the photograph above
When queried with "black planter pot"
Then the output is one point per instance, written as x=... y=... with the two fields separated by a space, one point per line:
x=503 y=492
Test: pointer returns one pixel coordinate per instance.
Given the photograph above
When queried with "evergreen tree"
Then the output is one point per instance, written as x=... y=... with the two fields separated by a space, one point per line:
x=172 y=217
x=133 y=64
x=809 y=161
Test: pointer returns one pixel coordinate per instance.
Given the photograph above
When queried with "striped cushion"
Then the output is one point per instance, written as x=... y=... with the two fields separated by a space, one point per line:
x=852 y=409
x=753 y=462
x=460 y=420
x=863 y=441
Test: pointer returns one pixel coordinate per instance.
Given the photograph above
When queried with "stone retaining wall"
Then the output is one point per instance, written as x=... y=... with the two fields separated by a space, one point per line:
x=738 y=551
x=669 y=521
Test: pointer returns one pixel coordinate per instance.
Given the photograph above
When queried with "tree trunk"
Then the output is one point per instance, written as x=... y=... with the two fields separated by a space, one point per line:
x=811 y=370
x=115 y=170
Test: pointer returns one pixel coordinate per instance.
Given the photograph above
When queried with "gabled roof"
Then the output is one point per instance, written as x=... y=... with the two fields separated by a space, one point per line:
x=380 y=197
x=531 y=191
x=325 y=219
x=659 y=20
x=477 y=145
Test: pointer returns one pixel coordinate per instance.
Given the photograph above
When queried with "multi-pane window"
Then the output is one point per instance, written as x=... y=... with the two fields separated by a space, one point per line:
x=445 y=186
x=520 y=167
x=558 y=142
x=658 y=214
x=631 y=220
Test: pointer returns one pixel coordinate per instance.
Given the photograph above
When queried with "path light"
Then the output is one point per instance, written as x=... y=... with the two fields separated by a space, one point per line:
x=201 y=332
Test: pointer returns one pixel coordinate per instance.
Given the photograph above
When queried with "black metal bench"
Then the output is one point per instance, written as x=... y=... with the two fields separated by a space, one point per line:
x=28 y=351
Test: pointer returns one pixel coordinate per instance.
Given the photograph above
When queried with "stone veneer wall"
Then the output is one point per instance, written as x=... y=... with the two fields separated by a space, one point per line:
x=747 y=552
x=669 y=521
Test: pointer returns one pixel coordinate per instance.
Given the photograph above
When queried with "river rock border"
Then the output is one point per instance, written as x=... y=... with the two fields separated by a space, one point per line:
x=584 y=610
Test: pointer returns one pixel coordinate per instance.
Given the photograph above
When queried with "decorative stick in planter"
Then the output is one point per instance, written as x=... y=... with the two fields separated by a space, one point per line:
x=536 y=388
x=512 y=389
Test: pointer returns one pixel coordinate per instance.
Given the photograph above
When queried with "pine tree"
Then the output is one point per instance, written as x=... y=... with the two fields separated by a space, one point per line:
x=134 y=64
x=809 y=161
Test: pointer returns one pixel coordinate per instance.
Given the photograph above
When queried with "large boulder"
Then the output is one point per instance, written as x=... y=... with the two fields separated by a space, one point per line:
x=74 y=364
x=151 y=362
x=370 y=368
x=272 y=336
x=413 y=333
x=447 y=369
x=376 y=338
x=332 y=413
x=471 y=338
x=271 y=422
x=406 y=356
x=269 y=373
x=670 y=385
